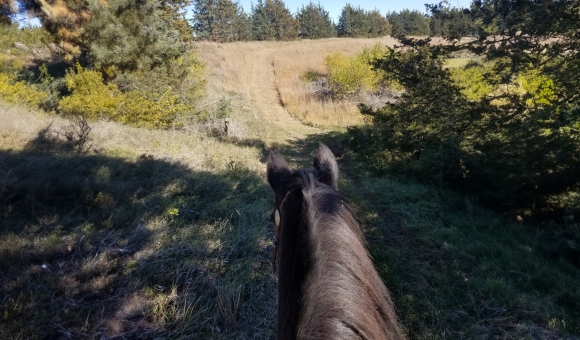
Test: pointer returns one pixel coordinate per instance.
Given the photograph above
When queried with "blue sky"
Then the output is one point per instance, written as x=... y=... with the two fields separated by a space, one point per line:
x=335 y=7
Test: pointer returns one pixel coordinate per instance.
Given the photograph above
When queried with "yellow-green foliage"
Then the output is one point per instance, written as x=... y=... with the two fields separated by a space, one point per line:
x=479 y=80
x=472 y=81
x=94 y=99
x=90 y=96
x=349 y=75
x=31 y=37
x=539 y=88
x=18 y=92
x=10 y=64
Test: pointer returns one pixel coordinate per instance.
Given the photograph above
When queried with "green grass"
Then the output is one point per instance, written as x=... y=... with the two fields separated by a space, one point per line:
x=117 y=243
x=98 y=245
x=457 y=270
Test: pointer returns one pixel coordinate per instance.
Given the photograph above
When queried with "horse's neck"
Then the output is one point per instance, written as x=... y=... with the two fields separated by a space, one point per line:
x=293 y=267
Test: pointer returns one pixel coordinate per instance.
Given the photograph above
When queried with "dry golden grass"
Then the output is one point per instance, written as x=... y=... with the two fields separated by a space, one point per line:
x=266 y=76
x=291 y=62
x=21 y=125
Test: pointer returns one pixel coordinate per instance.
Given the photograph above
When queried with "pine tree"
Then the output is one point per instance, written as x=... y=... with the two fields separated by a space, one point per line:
x=217 y=20
x=449 y=22
x=356 y=22
x=408 y=22
x=128 y=36
x=315 y=22
x=262 y=29
x=271 y=20
x=379 y=26
x=243 y=26
x=517 y=145
x=75 y=24
x=347 y=22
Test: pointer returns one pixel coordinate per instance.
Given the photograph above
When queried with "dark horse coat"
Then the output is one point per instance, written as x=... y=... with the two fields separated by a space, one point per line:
x=328 y=287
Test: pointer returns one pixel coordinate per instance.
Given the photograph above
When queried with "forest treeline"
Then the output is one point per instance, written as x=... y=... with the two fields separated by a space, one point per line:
x=226 y=20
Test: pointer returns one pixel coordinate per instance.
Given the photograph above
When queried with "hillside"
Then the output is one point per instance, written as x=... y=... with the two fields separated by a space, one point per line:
x=165 y=233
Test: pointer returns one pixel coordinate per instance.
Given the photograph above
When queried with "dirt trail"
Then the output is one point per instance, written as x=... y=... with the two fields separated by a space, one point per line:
x=245 y=74
x=263 y=91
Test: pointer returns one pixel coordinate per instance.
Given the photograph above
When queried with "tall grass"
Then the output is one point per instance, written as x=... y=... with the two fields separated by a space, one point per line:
x=459 y=271
x=284 y=64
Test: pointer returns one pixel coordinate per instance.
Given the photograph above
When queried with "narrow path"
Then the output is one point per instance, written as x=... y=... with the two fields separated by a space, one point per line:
x=245 y=73
x=266 y=97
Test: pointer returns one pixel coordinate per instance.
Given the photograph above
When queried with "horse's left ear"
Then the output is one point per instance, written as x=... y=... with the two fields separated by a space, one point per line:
x=325 y=164
x=278 y=171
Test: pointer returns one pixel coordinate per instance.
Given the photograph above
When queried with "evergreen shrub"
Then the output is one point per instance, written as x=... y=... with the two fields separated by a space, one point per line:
x=459 y=128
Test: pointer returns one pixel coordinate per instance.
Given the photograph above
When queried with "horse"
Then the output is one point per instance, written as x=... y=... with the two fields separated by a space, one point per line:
x=328 y=287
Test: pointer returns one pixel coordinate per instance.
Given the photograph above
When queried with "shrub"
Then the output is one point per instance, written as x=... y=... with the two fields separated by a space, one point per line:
x=90 y=97
x=18 y=92
x=472 y=80
x=93 y=99
x=31 y=37
x=348 y=76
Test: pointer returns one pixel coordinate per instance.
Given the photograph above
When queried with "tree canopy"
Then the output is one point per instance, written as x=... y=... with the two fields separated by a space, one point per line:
x=219 y=20
x=315 y=22
x=271 y=20
x=407 y=22
x=357 y=22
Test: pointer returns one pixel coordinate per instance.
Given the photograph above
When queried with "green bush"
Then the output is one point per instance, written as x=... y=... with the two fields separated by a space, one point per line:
x=472 y=80
x=348 y=76
x=310 y=75
x=31 y=37
x=93 y=99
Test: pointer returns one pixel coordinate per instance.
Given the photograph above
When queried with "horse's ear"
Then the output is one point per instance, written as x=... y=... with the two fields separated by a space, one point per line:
x=325 y=164
x=278 y=171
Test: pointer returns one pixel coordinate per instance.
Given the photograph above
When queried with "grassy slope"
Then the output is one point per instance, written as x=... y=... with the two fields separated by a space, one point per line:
x=165 y=233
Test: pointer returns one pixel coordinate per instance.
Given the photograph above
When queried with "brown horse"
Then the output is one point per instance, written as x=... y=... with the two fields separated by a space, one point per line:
x=328 y=287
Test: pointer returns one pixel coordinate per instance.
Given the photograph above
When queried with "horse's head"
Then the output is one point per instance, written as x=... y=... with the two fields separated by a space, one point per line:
x=284 y=182
x=279 y=175
x=323 y=259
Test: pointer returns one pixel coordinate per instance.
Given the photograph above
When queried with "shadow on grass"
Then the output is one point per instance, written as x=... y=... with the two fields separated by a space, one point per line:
x=97 y=247
x=454 y=268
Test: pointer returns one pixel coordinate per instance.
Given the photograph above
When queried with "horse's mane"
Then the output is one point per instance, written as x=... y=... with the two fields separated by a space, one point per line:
x=341 y=294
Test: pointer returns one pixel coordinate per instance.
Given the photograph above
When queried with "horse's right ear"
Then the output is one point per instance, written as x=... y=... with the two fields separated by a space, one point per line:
x=325 y=164
x=278 y=171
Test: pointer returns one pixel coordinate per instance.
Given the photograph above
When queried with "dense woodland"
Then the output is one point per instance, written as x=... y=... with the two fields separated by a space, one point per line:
x=490 y=114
